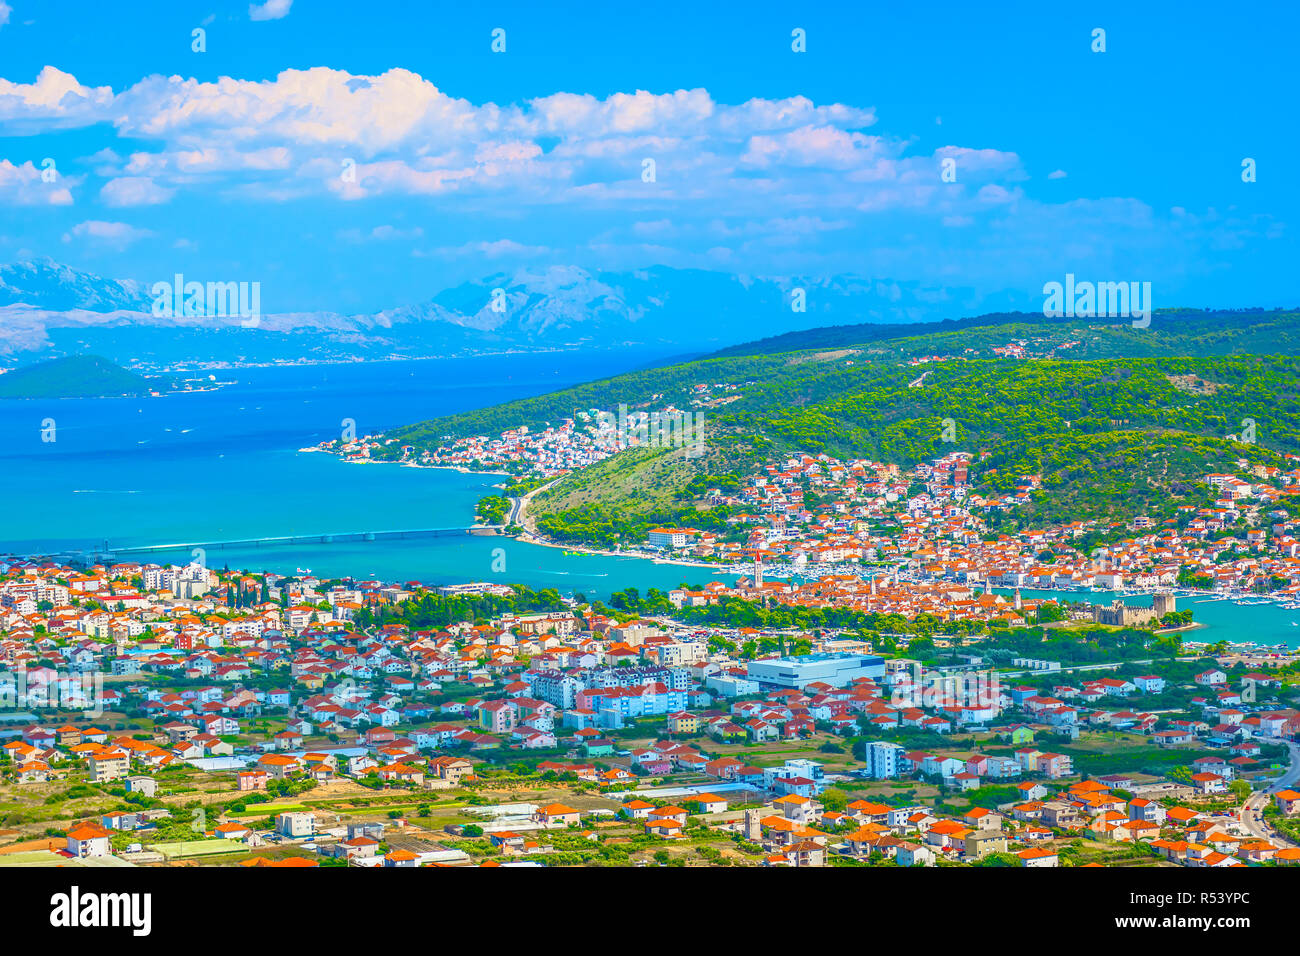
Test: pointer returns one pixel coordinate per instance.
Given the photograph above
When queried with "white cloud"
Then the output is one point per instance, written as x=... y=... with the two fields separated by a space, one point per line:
x=495 y=249
x=270 y=10
x=655 y=229
x=54 y=100
x=134 y=191
x=983 y=162
x=119 y=235
x=382 y=233
x=998 y=195
x=318 y=107
x=23 y=185
x=287 y=138
x=1057 y=174
x=763 y=172
x=400 y=115
x=393 y=232
x=5 y=10
x=822 y=146
x=397 y=176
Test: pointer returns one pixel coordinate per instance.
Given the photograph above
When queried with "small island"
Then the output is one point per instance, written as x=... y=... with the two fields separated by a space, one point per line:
x=79 y=376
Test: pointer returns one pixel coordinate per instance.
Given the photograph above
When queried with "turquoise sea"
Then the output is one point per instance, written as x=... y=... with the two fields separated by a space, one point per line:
x=224 y=465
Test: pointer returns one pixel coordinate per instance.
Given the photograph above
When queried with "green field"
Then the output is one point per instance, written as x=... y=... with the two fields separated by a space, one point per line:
x=268 y=809
x=46 y=858
x=191 y=848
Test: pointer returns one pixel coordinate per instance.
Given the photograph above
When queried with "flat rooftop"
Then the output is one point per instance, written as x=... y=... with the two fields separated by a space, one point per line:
x=806 y=660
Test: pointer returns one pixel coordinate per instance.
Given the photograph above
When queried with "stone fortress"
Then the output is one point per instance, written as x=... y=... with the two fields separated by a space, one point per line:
x=1119 y=614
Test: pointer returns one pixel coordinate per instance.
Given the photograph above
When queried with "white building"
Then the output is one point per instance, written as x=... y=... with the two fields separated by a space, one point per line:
x=837 y=670
x=882 y=759
x=296 y=824
x=669 y=537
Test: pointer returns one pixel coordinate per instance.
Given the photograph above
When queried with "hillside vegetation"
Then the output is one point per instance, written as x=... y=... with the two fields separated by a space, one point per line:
x=1111 y=437
x=620 y=498
x=78 y=376
x=1188 y=332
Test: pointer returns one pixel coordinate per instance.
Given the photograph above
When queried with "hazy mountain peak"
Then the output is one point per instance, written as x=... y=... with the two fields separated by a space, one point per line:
x=51 y=285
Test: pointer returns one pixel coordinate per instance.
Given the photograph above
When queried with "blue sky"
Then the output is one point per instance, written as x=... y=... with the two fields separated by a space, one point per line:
x=226 y=164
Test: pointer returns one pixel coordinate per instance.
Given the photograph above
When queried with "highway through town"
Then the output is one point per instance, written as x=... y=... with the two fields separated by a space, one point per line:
x=1251 y=814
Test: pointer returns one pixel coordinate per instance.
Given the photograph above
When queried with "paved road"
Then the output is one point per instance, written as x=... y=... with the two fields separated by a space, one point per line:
x=517 y=504
x=1251 y=814
x=1077 y=668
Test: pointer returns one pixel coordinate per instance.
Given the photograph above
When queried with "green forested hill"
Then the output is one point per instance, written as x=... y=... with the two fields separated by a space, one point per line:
x=620 y=498
x=1111 y=437
x=1190 y=332
x=886 y=413
x=801 y=359
x=78 y=376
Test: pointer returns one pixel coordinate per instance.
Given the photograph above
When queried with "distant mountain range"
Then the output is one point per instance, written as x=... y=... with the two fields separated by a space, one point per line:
x=48 y=309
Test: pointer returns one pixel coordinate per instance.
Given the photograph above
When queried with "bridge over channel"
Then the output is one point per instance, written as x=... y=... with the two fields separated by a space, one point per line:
x=269 y=542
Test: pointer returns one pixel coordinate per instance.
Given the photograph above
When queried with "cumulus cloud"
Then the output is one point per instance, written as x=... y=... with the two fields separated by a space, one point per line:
x=270 y=10
x=731 y=179
x=822 y=146
x=54 y=100
x=318 y=107
x=983 y=162
x=23 y=185
x=407 y=137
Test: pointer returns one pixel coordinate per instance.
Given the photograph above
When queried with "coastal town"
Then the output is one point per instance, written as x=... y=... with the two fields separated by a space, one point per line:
x=813 y=515
x=735 y=440
x=162 y=714
x=876 y=667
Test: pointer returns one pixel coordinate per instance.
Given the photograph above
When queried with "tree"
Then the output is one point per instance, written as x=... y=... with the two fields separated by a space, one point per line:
x=1050 y=612
x=834 y=799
